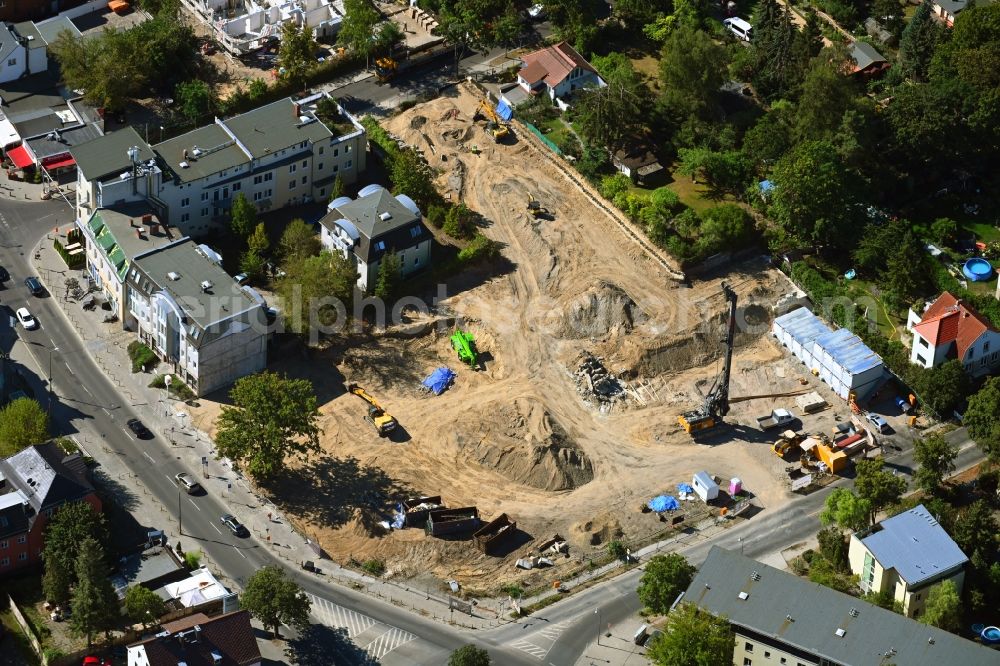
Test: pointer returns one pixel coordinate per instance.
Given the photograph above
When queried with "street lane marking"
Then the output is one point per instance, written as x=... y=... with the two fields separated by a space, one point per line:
x=332 y=615
x=149 y=456
x=532 y=649
x=195 y=506
x=236 y=548
x=215 y=528
x=388 y=642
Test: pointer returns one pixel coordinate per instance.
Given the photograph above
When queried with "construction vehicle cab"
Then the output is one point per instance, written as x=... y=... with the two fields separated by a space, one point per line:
x=382 y=421
x=465 y=345
x=716 y=404
x=495 y=125
x=537 y=210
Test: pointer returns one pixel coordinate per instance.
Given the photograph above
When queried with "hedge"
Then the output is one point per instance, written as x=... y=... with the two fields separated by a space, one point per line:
x=143 y=358
x=73 y=261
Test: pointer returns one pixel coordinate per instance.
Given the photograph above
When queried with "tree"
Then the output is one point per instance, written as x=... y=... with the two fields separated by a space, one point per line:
x=272 y=417
x=388 y=35
x=253 y=264
x=338 y=188
x=70 y=526
x=880 y=487
x=143 y=606
x=665 y=578
x=776 y=64
x=918 y=42
x=469 y=655
x=613 y=114
x=826 y=95
x=693 y=637
x=257 y=89
x=195 y=99
x=936 y=460
x=242 y=217
x=95 y=604
x=297 y=52
x=944 y=231
x=845 y=509
x=274 y=599
x=815 y=196
x=723 y=227
x=833 y=547
x=907 y=276
x=459 y=222
x=411 y=176
x=390 y=275
x=358 y=27
x=981 y=418
x=23 y=422
x=508 y=29
x=890 y=14
x=944 y=607
x=298 y=241
x=316 y=291
x=975 y=532
x=258 y=241
x=692 y=68
x=822 y=572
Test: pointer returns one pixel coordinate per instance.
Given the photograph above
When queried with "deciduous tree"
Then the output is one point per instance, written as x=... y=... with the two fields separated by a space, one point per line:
x=316 y=292
x=95 y=604
x=936 y=459
x=298 y=241
x=357 y=31
x=845 y=509
x=469 y=655
x=693 y=637
x=613 y=114
x=275 y=599
x=195 y=99
x=297 y=52
x=981 y=418
x=272 y=417
x=70 y=526
x=975 y=532
x=880 y=487
x=243 y=217
x=692 y=68
x=258 y=241
x=23 y=422
x=944 y=607
x=143 y=606
x=666 y=576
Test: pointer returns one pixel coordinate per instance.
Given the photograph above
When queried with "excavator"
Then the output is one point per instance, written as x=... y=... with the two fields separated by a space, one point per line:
x=385 y=69
x=495 y=126
x=465 y=345
x=716 y=405
x=381 y=420
x=537 y=210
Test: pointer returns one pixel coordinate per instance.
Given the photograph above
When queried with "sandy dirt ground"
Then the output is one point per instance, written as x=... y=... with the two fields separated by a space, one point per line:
x=525 y=435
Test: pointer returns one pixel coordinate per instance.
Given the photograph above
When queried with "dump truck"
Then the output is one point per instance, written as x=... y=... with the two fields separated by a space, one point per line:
x=465 y=345
x=385 y=69
x=381 y=420
x=777 y=417
x=785 y=445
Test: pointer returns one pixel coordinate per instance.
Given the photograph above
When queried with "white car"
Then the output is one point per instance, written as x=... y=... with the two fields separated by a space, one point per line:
x=878 y=421
x=29 y=322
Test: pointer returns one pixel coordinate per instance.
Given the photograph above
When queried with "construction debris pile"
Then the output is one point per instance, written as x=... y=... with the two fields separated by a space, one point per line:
x=594 y=381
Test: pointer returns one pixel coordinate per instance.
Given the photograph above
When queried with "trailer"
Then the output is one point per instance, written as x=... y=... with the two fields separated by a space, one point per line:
x=415 y=509
x=491 y=536
x=705 y=487
x=441 y=522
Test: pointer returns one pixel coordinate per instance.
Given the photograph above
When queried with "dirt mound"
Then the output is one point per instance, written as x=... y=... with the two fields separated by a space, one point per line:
x=417 y=122
x=601 y=529
x=601 y=310
x=525 y=444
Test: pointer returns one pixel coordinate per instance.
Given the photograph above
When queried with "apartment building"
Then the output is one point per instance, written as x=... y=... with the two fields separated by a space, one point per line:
x=278 y=155
x=207 y=329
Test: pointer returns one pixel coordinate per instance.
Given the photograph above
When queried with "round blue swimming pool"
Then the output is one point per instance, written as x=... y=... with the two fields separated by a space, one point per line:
x=978 y=270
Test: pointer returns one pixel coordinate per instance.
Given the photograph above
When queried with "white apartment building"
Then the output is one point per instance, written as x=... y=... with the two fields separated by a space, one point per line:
x=195 y=317
x=278 y=155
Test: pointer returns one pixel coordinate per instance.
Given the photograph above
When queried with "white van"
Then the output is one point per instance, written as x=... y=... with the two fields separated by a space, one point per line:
x=740 y=28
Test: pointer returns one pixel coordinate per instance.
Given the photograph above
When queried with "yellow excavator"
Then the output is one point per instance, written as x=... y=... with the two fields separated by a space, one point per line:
x=537 y=210
x=495 y=126
x=385 y=69
x=382 y=421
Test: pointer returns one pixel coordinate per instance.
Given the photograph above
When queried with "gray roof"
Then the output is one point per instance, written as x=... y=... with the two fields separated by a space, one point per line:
x=952 y=6
x=31 y=103
x=365 y=214
x=817 y=612
x=49 y=29
x=43 y=146
x=274 y=127
x=205 y=310
x=156 y=565
x=27 y=29
x=109 y=153
x=915 y=546
x=123 y=222
x=7 y=39
x=41 y=475
x=865 y=54
x=219 y=152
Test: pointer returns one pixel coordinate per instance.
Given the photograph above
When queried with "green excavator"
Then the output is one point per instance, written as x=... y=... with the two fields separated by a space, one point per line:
x=465 y=345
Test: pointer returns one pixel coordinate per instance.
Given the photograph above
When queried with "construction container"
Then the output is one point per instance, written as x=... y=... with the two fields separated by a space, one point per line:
x=834 y=460
x=493 y=534
x=705 y=486
x=416 y=509
x=810 y=402
x=452 y=521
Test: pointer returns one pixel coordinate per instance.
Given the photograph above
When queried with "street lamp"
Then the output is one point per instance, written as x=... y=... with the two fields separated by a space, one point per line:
x=597 y=612
x=180 y=512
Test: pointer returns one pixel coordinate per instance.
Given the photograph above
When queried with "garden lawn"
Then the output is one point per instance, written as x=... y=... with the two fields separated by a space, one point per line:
x=693 y=195
x=555 y=130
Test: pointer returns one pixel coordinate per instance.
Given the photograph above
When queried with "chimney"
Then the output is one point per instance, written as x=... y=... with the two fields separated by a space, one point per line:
x=147 y=219
x=131 y=223
x=297 y=109
x=184 y=154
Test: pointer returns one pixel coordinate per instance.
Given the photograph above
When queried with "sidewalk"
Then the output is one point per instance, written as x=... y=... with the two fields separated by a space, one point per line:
x=30 y=191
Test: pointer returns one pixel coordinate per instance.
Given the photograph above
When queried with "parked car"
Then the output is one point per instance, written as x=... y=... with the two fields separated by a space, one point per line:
x=740 y=28
x=187 y=482
x=879 y=422
x=235 y=526
x=29 y=322
x=138 y=429
x=34 y=285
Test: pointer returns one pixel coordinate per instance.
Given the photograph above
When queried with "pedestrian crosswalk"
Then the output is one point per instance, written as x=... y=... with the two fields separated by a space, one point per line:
x=547 y=637
x=373 y=637
x=530 y=648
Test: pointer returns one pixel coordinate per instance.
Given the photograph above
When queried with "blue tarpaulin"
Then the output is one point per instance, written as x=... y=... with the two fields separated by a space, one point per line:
x=439 y=380
x=684 y=488
x=662 y=503
x=504 y=110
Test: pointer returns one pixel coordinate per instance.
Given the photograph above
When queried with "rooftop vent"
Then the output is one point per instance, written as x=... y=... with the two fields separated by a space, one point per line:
x=206 y=285
x=743 y=596
x=196 y=151
x=840 y=632
x=755 y=576
x=385 y=216
x=183 y=165
x=174 y=276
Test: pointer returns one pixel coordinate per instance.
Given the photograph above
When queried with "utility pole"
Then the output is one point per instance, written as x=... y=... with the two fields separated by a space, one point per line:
x=180 y=512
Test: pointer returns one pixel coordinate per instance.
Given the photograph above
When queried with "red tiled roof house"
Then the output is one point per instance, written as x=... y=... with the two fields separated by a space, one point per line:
x=225 y=640
x=557 y=71
x=951 y=329
x=34 y=483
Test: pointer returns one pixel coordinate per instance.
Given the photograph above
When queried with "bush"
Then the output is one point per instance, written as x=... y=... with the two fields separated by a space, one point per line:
x=73 y=261
x=459 y=222
x=143 y=358
x=436 y=215
x=374 y=567
x=479 y=249
x=192 y=559
x=617 y=549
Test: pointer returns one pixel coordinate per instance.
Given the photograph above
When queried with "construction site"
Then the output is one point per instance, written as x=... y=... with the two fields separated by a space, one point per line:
x=562 y=424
